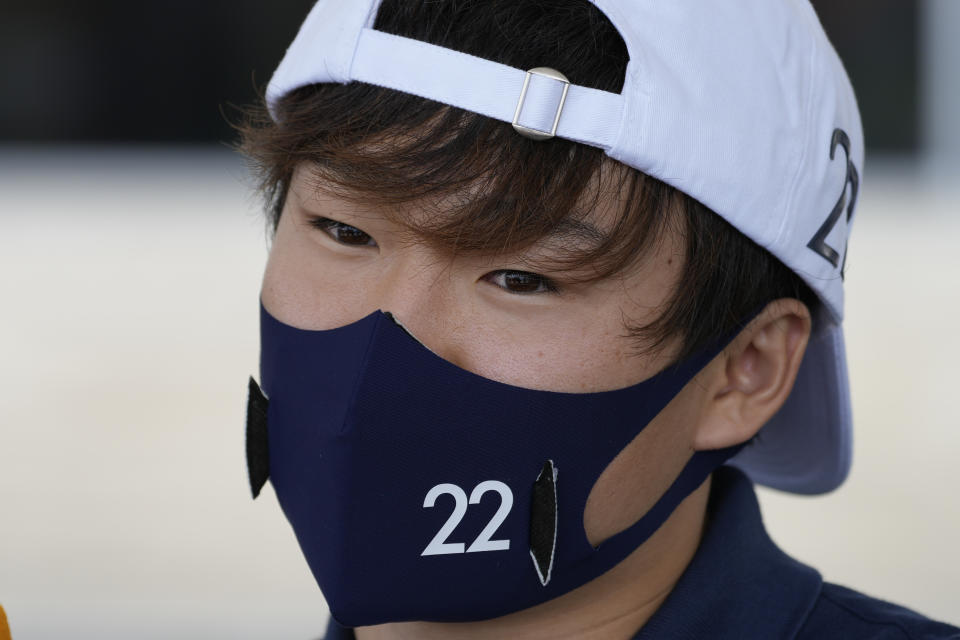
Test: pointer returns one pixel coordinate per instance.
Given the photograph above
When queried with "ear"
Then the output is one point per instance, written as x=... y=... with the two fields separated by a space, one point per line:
x=752 y=378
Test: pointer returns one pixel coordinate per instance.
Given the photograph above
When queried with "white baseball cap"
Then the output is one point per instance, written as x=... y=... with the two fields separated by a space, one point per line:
x=742 y=104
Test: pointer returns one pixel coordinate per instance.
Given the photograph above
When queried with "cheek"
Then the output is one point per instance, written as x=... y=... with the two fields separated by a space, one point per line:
x=574 y=354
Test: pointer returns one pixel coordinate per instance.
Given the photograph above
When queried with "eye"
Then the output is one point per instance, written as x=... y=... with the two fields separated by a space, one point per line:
x=343 y=233
x=521 y=282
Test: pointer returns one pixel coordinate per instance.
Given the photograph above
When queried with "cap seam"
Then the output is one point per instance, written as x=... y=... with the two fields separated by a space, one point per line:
x=795 y=181
x=370 y=19
x=630 y=98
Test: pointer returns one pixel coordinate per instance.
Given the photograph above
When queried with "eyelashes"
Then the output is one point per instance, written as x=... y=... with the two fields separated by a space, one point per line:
x=510 y=280
x=521 y=282
x=343 y=233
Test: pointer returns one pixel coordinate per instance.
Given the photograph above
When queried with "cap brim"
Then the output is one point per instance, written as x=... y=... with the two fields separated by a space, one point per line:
x=807 y=446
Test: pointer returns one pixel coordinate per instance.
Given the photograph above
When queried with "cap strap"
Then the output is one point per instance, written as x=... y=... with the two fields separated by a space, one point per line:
x=589 y=116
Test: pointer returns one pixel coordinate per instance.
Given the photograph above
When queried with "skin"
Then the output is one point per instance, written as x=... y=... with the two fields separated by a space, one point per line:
x=468 y=311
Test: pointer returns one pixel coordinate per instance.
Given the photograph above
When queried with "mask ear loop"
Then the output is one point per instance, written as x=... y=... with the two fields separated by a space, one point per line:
x=700 y=465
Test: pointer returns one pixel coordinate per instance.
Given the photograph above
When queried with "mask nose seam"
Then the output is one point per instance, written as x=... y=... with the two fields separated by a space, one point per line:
x=355 y=389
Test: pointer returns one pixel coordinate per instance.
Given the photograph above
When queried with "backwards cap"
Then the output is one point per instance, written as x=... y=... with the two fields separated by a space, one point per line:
x=743 y=105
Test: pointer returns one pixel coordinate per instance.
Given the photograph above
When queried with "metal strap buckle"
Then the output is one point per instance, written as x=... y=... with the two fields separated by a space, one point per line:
x=537 y=134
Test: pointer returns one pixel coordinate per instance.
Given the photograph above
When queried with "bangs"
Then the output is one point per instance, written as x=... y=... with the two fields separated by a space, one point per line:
x=460 y=181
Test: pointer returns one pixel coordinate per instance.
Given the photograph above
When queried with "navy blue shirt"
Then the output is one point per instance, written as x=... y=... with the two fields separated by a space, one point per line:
x=741 y=586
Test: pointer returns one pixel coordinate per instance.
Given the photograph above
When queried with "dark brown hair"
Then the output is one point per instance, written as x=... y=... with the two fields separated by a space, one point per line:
x=488 y=189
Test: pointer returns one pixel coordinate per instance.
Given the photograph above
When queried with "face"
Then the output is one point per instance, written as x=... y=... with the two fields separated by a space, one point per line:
x=333 y=262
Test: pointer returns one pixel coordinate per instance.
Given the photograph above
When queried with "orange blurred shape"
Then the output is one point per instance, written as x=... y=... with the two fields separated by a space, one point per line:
x=4 y=627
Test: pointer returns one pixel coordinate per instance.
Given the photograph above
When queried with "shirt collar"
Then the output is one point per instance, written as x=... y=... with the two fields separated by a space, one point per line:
x=739 y=584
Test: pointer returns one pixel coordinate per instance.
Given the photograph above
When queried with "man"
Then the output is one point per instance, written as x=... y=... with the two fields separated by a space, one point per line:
x=538 y=271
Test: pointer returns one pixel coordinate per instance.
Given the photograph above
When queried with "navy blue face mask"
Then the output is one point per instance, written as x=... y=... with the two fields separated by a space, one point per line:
x=421 y=491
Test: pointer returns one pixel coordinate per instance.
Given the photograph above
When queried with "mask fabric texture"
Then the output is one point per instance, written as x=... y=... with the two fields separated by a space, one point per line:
x=421 y=491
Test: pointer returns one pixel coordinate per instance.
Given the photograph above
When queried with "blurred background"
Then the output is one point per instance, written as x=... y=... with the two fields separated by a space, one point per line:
x=131 y=249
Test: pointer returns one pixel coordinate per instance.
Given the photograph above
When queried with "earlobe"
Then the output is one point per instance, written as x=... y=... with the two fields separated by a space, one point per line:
x=751 y=380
